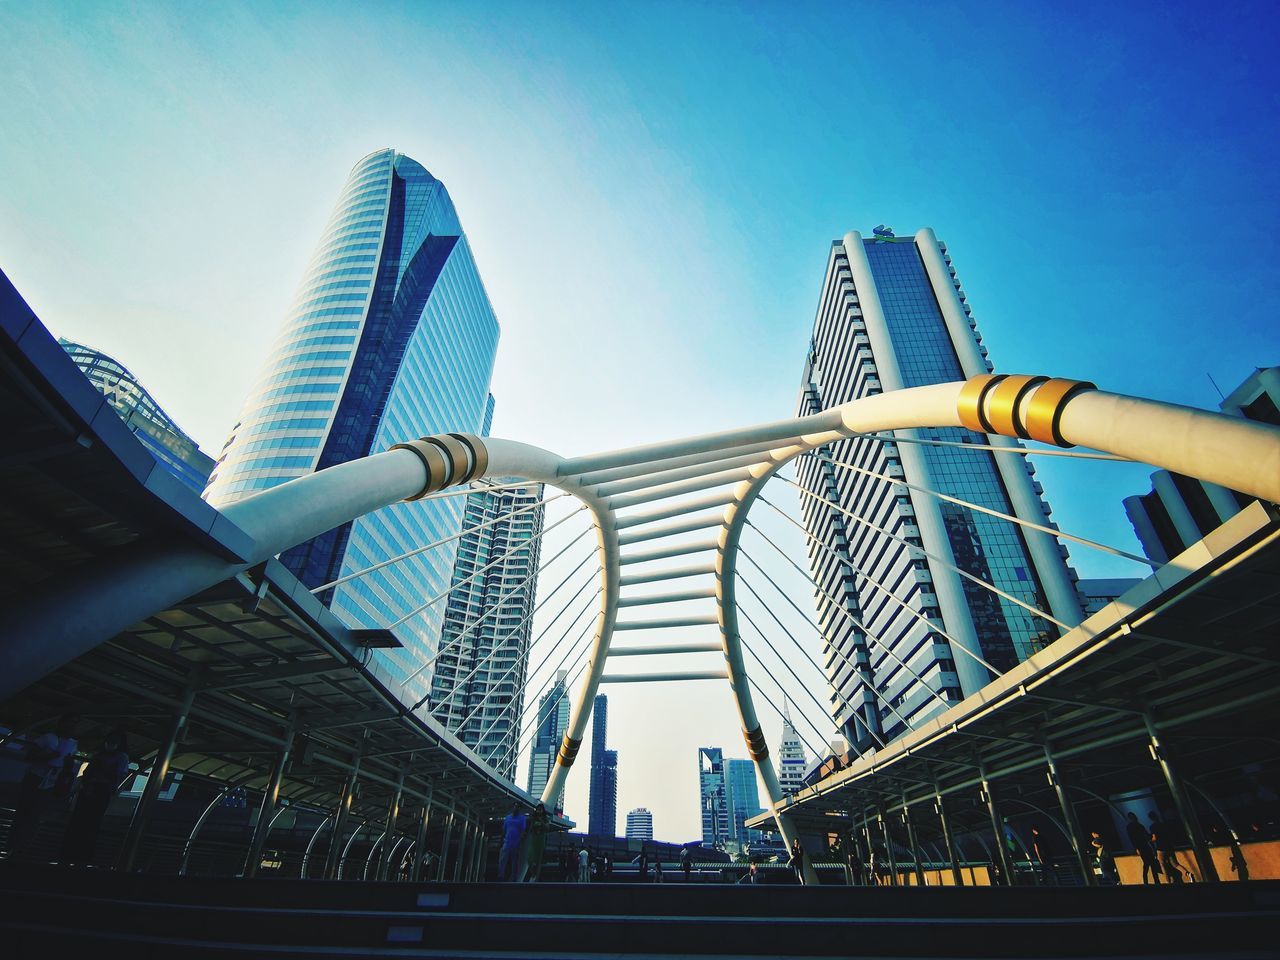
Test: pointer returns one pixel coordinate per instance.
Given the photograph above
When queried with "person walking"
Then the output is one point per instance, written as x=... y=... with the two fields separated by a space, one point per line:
x=584 y=864
x=1104 y=865
x=535 y=842
x=1162 y=840
x=644 y=866
x=797 y=859
x=513 y=827
x=686 y=864
x=100 y=784
x=1140 y=837
x=51 y=769
x=753 y=872
x=657 y=870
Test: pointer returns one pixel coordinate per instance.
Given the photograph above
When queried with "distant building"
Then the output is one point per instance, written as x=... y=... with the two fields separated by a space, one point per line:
x=477 y=686
x=1180 y=510
x=602 y=817
x=553 y=721
x=173 y=450
x=791 y=757
x=713 y=793
x=640 y=824
x=1097 y=593
x=743 y=799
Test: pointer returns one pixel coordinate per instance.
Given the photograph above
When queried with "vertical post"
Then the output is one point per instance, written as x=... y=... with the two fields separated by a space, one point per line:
x=420 y=846
x=997 y=830
x=444 y=846
x=270 y=796
x=1069 y=819
x=155 y=782
x=482 y=850
x=341 y=814
x=393 y=814
x=911 y=841
x=1182 y=803
x=888 y=846
x=872 y=878
x=940 y=808
x=464 y=850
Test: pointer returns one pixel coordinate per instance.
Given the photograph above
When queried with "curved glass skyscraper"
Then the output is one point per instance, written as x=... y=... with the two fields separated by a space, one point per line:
x=390 y=337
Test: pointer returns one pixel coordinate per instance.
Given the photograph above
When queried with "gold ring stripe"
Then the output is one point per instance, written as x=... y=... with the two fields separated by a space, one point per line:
x=1002 y=407
x=479 y=455
x=1044 y=409
x=458 y=455
x=970 y=402
x=433 y=460
x=568 y=751
x=756 y=745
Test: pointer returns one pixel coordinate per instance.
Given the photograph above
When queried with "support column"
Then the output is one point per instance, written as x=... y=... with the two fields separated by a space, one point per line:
x=341 y=814
x=888 y=845
x=393 y=814
x=911 y=841
x=306 y=857
x=482 y=845
x=420 y=845
x=267 y=810
x=997 y=827
x=1182 y=803
x=444 y=846
x=940 y=808
x=1069 y=819
x=464 y=840
x=155 y=782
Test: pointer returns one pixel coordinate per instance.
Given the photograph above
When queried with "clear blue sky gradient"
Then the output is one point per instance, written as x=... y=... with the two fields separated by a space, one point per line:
x=651 y=190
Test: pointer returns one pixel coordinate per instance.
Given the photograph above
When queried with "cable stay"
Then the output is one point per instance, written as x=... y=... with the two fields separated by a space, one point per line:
x=1051 y=531
x=418 y=550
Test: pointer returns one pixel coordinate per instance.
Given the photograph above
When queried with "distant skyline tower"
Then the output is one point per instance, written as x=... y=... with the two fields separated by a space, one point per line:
x=743 y=798
x=892 y=315
x=640 y=824
x=177 y=453
x=713 y=794
x=390 y=337
x=791 y=757
x=553 y=721
x=477 y=687
x=602 y=818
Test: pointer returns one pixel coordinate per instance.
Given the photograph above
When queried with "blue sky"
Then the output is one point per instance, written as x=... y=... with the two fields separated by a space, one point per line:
x=650 y=190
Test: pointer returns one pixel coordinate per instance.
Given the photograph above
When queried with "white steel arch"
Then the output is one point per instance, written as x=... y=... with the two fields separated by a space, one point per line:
x=646 y=502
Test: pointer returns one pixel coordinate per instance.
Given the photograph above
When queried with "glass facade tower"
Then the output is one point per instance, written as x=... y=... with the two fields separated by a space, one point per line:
x=479 y=674
x=390 y=337
x=553 y=721
x=891 y=316
x=602 y=818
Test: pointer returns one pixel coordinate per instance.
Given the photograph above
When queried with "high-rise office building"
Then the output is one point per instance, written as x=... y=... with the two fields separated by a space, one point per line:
x=390 y=337
x=713 y=793
x=640 y=824
x=602 y=819
x=892 y=315
x=553 y=721
x=792 y=761
x=177 y=453
x=743 y=798
x=1181 y=510
x=477 y=687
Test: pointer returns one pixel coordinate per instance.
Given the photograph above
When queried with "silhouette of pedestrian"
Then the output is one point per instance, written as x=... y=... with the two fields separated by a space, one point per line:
x=50 y=759
x=686 y=863
x=101 y=782
x=1162 y=839
x=513 y=827
x=1140 y=837
x=535 y=841
x=797 y=859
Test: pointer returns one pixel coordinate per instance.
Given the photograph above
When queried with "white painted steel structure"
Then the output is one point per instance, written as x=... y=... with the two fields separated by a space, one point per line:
x=685 y=500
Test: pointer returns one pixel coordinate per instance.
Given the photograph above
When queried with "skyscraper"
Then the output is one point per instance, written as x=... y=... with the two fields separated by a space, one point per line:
x=177 y=453
x=714 y=795
x=791 y=758
x=390 y=337
x=640 y=824
x=602 y=820
x=892 y=315
x=743 y=796
x=478 y=684
x=553 y=721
